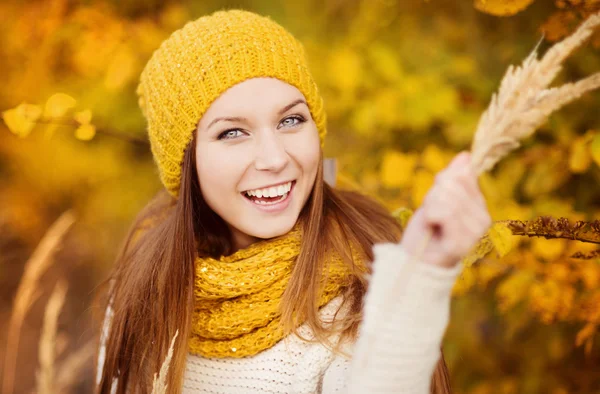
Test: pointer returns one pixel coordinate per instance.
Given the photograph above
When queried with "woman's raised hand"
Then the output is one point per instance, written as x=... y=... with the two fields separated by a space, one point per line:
x=454 y=210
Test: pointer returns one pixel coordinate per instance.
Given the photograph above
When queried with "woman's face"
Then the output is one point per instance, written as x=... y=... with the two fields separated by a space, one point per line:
x=257 y=155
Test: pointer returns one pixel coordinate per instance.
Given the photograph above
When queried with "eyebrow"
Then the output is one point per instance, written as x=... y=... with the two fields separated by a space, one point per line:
x=242 y=119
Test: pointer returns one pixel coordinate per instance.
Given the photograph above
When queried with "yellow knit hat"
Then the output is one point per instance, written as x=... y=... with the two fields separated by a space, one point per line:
x=203 y=59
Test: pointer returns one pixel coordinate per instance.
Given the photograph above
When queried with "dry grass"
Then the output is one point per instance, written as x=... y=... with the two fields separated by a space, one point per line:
x=28 y=292
x=159 y=385
x=68 y=371
x=53 y=377
x=47 y=345
x=524 y=102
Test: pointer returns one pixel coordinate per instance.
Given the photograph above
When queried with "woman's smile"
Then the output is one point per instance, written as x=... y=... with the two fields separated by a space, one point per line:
x=271 y=199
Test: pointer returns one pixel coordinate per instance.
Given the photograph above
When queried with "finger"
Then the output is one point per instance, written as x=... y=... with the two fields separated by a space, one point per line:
x=462 y=159
x=456 y=162
x=467 y=181
x=451 y=201
x=475 y=205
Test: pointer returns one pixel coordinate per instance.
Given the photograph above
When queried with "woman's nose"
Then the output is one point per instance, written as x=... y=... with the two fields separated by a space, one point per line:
x=271 y=153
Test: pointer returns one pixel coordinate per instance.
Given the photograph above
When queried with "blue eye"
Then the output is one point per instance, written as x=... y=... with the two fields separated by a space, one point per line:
x=290 y=121
x=298 y=118
x=229 y=134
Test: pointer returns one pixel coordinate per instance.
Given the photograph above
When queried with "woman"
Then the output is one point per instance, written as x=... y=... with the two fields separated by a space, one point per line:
x=262 y=270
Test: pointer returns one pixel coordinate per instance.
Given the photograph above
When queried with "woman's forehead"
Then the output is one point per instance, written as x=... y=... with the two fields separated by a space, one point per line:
x=256 y=94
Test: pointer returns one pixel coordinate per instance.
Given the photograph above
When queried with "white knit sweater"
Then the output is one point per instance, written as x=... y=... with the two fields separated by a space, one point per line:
x=396 y=351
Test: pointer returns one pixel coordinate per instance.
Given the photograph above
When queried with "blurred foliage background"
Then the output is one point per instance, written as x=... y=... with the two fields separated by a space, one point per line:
x=404 y=84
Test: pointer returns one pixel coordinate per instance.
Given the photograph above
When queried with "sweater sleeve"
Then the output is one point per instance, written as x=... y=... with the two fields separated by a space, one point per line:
x=399 y=342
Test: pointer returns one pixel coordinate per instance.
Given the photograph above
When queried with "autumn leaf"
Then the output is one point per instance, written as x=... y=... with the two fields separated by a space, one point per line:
x=502 y=238
x=549 y=249
x=85 y=132
x=402 y=215
x=580 y=156
x=121 y=69
x=480 y=250
x=58 y=105
x=397 y=168
x=22 y=119
x=595 y=149
x=434 y=159
x=513 y=289
x=345 y=68
x=586 y=336
x=423 y=180
x=502 y=7
x=83 y=117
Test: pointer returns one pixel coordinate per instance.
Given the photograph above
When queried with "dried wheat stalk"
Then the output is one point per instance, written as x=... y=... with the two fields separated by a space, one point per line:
x=27 y=292
x=45 y=374
x=524 y=102
x=69 y=370
x=159 y=385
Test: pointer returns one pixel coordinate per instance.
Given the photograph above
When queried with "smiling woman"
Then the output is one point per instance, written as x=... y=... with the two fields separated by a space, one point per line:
x=277 y=282
x=267 y=145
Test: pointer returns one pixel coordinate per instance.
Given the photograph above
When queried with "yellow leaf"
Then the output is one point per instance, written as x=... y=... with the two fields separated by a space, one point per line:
x=549 y=249
x=21 y=120
x=58 y=104
x=49 y=130
x=464 y=282
x=83 y=117
x=423 y=180
x=433 y=158
x=85 y=132
x=345 y=69
x=502 y=238
x=397 y=169
x=502 y=7
x=580 y=157
x=595 y=149
x=480 y=250
x=121 y=69
x=545 y=176
x=402 y=215
x=385 y=63
x=513 y=289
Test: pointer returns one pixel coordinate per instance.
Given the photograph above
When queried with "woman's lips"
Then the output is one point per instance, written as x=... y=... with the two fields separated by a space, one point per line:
x=274 y=207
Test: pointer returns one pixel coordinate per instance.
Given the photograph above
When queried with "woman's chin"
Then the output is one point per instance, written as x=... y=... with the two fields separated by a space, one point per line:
x=273 y=230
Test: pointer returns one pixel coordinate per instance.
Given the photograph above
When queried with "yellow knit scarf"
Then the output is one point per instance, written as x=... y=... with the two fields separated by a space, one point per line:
x=237 y=297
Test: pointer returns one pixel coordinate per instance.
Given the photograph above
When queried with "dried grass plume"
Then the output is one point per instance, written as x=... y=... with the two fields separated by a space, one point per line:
x=47 y=345
x=524 y=102
x=159 y=385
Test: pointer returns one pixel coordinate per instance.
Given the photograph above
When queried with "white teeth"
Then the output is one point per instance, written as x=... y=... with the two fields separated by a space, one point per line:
x=270 y=202
x=274 y=191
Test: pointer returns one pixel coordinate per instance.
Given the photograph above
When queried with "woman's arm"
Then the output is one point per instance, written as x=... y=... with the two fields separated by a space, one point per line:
x=406 y=311
x=399 y=343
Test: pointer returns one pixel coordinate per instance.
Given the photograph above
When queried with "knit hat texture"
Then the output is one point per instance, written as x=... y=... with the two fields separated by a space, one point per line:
x=203 y=59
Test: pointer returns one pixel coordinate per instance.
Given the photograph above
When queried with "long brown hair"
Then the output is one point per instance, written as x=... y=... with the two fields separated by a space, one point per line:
x=151 y=288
